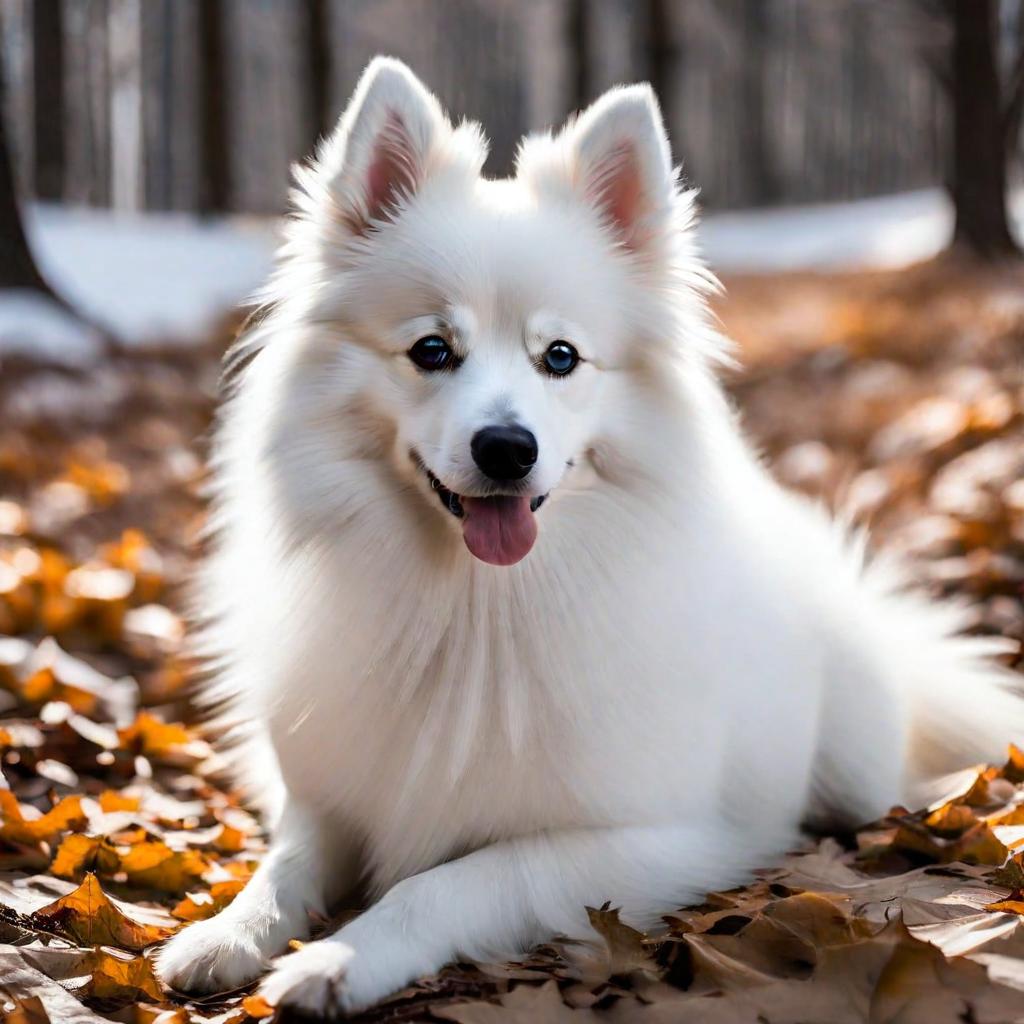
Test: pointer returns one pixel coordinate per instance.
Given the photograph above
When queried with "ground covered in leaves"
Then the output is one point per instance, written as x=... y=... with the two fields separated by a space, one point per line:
x=899 y=395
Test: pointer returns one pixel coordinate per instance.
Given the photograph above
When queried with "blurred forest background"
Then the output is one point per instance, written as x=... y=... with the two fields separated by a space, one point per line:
x=860 y=166
x=204 y=104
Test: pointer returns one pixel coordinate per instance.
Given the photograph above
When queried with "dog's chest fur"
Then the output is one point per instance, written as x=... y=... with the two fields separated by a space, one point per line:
x=465 y=711
x=430 y=747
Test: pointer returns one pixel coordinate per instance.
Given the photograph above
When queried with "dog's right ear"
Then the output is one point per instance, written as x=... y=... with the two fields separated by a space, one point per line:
x=381 y=151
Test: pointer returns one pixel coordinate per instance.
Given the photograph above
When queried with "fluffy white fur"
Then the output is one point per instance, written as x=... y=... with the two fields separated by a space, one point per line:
x=689 y=665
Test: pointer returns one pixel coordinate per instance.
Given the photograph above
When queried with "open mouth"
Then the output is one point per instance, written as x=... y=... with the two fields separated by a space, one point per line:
x=499 y=529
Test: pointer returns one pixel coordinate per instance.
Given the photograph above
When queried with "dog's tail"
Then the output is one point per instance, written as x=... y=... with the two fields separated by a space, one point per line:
x=965 y=708
x=962 y=706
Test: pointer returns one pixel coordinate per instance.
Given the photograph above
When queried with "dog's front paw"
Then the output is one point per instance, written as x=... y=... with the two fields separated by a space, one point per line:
x=370 y=959
x=312 y=980
x=210 y=956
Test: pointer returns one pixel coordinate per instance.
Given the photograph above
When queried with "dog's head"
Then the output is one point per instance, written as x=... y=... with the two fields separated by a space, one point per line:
x=478 y=326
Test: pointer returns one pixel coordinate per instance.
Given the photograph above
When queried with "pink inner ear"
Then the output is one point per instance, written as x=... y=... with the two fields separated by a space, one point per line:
x=617 y=186
x=392 y=171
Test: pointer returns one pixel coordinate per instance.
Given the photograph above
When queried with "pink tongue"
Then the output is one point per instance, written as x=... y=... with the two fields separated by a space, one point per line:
x=499 y=530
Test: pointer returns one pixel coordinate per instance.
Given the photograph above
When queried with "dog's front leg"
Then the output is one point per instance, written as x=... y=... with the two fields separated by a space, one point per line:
x=306 y=865
x=503 y=899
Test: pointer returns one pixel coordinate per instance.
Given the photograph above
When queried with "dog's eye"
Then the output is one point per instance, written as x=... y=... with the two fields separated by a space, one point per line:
x=560 y=358
x=432 y=353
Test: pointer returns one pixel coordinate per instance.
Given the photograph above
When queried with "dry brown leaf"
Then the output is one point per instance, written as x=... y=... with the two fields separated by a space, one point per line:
x=15 y=827
x=201 y=905
x=168 y=742
x=140 y=861
x=145 y=1014
x=978 y=844
x=25 y=1011
x=79 y=854
x=625 y=947
x=155 y=865
x=20 y=982
x=88 y=915
x=257 y=1007
x=116 y=978
x=525 y=1004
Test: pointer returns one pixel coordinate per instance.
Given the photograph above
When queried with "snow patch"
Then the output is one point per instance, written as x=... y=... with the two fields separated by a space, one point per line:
x=170 y=277
x=150 y=277
x=884 y=232
x=33 y=325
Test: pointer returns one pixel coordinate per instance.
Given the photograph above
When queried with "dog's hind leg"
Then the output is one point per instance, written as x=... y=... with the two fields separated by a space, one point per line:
x=859 y=764
x=305 y=866
x=503 y=899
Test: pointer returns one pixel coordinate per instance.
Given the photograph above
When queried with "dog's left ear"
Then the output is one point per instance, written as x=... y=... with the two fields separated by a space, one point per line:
x=621 y=162
x=381 y=152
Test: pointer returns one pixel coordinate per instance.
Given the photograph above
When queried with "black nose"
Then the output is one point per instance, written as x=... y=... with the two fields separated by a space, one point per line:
x=504 y=453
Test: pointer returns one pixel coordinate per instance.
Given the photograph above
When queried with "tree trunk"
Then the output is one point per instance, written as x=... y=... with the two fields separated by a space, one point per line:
x=214 y=170
x=578 y=29
x=979 y=151
x=663 y=53
x=318 y=47
x=17 y=267
x=48 y=98
x=755 y=28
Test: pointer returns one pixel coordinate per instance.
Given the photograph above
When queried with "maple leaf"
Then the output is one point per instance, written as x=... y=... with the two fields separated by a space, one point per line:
x=116 y=978
x=90 y=916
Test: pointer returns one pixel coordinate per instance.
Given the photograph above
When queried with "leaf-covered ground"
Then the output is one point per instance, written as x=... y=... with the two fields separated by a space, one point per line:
x=900 y=395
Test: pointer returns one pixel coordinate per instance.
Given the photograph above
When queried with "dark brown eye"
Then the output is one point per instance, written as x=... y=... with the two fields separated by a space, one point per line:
x=560 y=359
x=433 y=353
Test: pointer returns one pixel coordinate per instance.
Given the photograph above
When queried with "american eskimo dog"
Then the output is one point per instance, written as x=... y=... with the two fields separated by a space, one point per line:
x=522 y=622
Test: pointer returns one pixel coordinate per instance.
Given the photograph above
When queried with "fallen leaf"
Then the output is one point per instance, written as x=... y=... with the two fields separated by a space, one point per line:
x=88 y=915
x=18 y=828
x=256 y=1006
x=201 y=905
x=168 y=742
x=625 y=948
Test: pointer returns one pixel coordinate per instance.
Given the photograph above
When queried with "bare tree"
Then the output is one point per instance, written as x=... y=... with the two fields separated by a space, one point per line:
x=318 y=46
x=755 y=28
x=578 y=48
x=17 y=267
x=214 y=169
x=981 y=130
x=48 y=98
x=664 y=52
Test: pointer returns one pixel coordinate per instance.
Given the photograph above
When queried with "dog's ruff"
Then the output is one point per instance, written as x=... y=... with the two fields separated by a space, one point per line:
x=689 y=664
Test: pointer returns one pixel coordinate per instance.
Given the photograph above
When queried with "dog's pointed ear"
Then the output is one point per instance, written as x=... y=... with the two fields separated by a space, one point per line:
x=621 y=162
x=381 y=152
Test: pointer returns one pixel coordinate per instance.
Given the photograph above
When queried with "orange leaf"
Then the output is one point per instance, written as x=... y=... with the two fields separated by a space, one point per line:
x=951 y=820
x=1014 y=767
x=16 y=828
x=119 y=978
x=256 y=1006
x=163 y=741
x=198 y=906
x=88 y=915
x=229 y=840
x=1007 y=906
x=110 y=800
x=78 y=854
x=155 y=865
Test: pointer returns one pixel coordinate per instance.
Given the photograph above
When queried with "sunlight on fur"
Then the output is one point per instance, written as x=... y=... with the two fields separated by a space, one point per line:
x=672 y=665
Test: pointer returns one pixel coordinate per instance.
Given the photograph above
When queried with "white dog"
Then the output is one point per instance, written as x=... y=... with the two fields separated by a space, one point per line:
x=522 y=620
